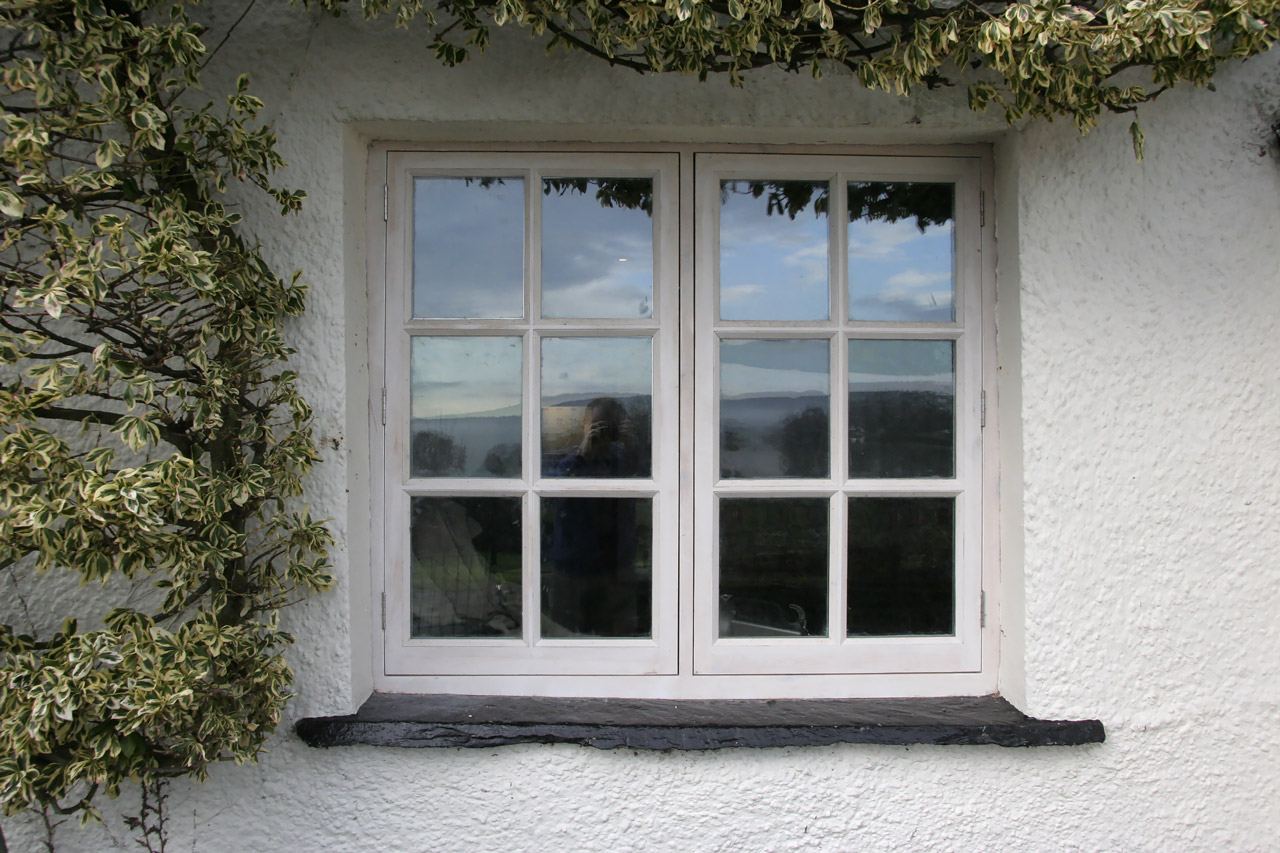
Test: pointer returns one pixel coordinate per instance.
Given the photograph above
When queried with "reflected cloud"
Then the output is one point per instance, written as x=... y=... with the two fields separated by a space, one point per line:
x=468 y=247
x=597 y=259
x=898 y=273
x=772 y=267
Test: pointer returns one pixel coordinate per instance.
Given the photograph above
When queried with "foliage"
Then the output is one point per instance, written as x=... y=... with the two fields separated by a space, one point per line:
x=134 y=313
x=1040 y=59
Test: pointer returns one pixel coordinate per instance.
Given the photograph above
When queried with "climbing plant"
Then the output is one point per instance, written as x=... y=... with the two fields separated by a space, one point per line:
x=1041 y=59
x=151 y=434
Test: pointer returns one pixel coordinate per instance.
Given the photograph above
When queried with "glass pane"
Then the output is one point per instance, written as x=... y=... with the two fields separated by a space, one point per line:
x=597 y=567
x=468 y=247
x=901 y=566
x=596 y=407
x=902 y=408
x=464 y=576
x=901 y=252
x=774 y=404
x=597 y=247
x=773 y=250
x=465 y=407
x=773 y=567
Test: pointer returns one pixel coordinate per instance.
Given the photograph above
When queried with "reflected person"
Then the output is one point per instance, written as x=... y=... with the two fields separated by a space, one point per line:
x=591 y=586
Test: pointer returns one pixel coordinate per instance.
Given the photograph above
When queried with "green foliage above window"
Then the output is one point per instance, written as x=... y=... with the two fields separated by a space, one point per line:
x=1042 y=59
x=150 y=433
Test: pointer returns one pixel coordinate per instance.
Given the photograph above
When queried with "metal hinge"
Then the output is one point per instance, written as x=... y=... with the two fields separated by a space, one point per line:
x=385 y=202
x=982 y=416
x=384 y=406
x=982 y=209
x=384 y=611
x=982 y=610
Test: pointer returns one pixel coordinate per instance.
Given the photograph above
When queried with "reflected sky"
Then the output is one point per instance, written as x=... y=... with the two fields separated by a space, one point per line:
x=901 y=364
x=468 y=247
x=595 y=367
x=458 y=376
x=597 y=260
x=897 y=273
x=772 y=267
x=749 y=367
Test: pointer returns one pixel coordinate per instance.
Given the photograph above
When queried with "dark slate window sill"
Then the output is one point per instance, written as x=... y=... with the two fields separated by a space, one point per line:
x=388 y=719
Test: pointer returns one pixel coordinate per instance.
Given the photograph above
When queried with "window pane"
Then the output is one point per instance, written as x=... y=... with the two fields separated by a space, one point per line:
x=773 y=250
x=468 y=247
x=596 y=407
x=465 y=407
x=773 y=567
x=464 y=578
x=901 y=566
x=902 y=408
x=597 y=567
x=597 y=247
x=901 y=252
x=774 y=408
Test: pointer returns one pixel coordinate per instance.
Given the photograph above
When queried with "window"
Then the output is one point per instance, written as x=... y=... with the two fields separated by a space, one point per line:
x=690 y=423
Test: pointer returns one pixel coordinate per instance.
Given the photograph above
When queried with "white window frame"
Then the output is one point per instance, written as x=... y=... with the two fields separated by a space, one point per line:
x=684 y=659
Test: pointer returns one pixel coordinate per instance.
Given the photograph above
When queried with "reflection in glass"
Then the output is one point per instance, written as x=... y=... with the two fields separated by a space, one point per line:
x=465 y=407
x=468 y=247
x=597 y=567
x=464 y=573
x=597 y=247
x=596 y=407
x=901 y=566
x=774 y=405
x=901 y=250
x=902 y=408
x=773 y=567
x=773 y=250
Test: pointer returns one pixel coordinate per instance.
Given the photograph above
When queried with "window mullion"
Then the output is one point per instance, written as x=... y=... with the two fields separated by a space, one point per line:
x=838 y=208
x=530 y=572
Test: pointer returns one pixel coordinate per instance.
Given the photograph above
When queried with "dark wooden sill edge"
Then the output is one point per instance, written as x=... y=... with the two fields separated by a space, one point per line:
x=482 y=721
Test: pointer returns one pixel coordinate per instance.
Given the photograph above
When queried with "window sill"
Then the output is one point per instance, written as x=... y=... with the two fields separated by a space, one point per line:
x=401 y=720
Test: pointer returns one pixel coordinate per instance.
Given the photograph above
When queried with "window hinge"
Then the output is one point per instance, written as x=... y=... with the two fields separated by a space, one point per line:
x=385 y=202
x=384 y=611
x=384 y=406
x=982 y=209
x=982 y=610
x=982 y=417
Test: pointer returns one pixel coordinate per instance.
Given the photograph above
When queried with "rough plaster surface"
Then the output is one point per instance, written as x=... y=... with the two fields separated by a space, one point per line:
x=1151 y=456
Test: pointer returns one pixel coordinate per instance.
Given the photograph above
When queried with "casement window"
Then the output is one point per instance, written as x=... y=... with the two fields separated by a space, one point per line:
x=686 y=423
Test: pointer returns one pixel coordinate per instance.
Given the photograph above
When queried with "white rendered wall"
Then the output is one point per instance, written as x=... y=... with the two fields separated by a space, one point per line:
x=1144 y=572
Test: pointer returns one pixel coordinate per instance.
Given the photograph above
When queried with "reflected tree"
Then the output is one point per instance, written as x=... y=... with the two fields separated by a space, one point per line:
x=435 y=453
x=803 y=442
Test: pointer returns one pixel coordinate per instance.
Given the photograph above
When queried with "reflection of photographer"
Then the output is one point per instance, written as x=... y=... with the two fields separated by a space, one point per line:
x=592 y=548
x=606 y=448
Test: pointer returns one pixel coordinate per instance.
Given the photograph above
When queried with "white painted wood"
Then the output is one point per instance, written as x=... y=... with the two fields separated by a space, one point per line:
x=531 y=653
x=783 y=655
x=684 y=656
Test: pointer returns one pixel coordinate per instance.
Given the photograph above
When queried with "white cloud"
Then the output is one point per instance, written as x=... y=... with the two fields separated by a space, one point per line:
x=739 y=292
x=914 y=279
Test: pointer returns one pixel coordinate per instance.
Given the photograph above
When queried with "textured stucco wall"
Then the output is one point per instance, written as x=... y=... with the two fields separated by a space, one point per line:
x=1149 y=579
